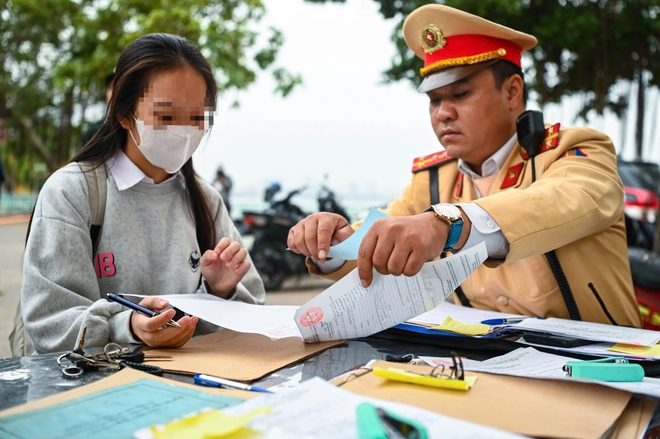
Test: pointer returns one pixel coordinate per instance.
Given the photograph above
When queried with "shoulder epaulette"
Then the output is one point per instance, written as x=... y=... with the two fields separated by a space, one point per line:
x=428 y=161
x=551 y=140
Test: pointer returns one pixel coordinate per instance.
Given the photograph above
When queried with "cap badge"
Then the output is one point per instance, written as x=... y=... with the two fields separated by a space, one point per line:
x=432 y=39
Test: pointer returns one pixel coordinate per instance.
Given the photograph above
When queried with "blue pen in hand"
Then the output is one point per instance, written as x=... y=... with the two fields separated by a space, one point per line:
x=139 y=308
x=211 y=381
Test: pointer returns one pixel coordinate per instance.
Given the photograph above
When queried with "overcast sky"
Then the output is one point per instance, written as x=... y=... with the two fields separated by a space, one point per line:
x=342 y=121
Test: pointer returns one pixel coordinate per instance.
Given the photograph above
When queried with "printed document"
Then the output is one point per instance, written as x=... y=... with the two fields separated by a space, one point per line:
x=592 y=331
x=111 y=413
x=530 y=363
x=348 y=310
x=463 y=314
x=334 y=415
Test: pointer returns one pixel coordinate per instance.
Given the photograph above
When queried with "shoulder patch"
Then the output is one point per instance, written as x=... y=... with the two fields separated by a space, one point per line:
x=428 y=161
x=575 y=152
x=551 y=140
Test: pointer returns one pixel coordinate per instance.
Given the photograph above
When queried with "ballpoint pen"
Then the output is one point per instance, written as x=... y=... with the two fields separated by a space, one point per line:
x=139 y=308
x=211 y=381
x=494 y=322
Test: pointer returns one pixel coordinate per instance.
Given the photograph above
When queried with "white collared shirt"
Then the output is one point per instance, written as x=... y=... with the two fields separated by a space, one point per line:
x=127 y=174
x=484 y=228
x=493 y=164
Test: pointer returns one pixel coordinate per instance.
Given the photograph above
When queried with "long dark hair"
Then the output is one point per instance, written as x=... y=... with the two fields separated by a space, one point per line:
x=144 y=57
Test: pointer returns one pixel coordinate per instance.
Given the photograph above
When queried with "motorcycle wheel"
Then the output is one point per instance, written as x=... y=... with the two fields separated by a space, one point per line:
x=267 y=259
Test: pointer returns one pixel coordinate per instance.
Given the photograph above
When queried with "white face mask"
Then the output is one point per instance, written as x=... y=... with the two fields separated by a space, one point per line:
x=168 y=148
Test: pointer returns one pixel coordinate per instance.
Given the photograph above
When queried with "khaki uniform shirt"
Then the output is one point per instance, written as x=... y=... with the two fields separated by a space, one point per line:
x=575 y=207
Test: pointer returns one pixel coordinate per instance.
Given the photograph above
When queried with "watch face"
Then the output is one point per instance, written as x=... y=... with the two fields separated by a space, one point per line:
x=449 y=211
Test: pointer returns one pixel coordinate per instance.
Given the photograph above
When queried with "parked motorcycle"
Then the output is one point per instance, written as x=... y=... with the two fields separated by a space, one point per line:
x=265 y=234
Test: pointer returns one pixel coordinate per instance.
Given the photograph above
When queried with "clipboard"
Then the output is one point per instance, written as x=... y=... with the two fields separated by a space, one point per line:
x=237 y=356
x=538 y=408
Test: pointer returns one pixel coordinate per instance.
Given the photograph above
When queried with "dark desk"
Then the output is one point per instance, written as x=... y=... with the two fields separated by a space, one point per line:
x=30 y=378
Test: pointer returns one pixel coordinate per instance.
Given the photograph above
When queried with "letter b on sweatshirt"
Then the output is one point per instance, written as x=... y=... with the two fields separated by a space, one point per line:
x=104 y=264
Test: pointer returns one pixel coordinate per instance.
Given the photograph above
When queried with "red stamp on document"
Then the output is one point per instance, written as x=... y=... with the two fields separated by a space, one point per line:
x=312 y=316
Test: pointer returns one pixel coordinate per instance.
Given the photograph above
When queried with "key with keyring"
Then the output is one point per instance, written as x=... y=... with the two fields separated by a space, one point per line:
x=135 y=360
x=77 y=358
x=81 y=343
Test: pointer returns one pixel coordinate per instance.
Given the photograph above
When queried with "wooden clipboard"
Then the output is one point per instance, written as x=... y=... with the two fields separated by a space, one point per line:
x=238 y=356
x=532 y=407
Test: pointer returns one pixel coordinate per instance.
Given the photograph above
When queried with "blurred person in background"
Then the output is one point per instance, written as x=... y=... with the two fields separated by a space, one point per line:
x=2 y=178
x=223 y=185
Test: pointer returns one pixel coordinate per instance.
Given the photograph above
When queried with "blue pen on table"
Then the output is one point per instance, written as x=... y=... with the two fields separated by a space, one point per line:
x=495 y=322
x=139 y=308
x=211 y=381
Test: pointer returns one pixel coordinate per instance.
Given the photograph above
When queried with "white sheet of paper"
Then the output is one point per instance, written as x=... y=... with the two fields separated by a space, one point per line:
x=463 y=314
x=530 y=363
x=348 y=310
x=592 y=331
x=334 y=415
x=274 y=321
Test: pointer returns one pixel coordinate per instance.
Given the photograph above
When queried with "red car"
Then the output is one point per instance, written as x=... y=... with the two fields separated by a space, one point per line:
x=641 y=185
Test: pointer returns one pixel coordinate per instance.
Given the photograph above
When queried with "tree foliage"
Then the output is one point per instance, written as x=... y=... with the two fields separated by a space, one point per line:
x=585 y=46
x=55 y=55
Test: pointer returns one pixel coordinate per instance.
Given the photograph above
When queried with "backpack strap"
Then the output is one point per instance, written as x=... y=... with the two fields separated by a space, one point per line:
x=97 y=188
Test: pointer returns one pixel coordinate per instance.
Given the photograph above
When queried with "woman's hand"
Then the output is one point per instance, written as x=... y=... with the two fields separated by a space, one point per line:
x=224 y=267
x=152 y=330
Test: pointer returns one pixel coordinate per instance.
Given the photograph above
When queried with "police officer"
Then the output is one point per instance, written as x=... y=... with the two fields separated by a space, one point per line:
x=555 y=234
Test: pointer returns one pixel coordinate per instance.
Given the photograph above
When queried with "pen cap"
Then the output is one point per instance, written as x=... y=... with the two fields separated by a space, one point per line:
x=368 y=422
x=610 y=372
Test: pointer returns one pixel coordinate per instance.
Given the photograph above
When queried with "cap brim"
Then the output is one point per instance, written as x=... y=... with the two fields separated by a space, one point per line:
x=450 y=75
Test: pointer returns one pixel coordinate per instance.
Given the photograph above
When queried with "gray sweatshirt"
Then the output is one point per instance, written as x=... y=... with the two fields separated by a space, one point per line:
x=148 y=246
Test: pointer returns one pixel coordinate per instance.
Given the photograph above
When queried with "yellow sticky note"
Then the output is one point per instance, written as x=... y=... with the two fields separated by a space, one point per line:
x=208 y=425
x=451 y=325
x=395 y=374
x=642 y=351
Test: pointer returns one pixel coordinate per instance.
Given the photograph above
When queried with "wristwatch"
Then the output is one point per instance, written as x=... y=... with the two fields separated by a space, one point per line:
x=452 y=216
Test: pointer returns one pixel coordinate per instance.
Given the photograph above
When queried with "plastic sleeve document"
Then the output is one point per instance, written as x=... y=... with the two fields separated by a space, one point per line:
x=348 y=310
x=592 y=331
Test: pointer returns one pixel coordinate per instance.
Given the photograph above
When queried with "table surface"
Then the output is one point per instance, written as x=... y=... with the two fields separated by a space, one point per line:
x=31 y=378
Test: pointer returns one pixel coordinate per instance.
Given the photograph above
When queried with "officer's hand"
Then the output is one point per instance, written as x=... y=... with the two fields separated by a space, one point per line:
x=152 y=330
x=313 y=235
x=224 y=267
x=401 y=245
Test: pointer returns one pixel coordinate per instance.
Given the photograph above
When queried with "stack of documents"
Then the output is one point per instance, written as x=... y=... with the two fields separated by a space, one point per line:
x=530 y=363
x=129 y=403
x=345 y=309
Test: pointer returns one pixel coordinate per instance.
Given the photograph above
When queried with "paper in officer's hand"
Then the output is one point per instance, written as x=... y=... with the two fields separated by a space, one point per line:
x=348 y=310
x=348 y=249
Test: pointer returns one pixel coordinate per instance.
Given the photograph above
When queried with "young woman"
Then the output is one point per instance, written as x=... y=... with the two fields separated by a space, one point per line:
x=164 y=231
